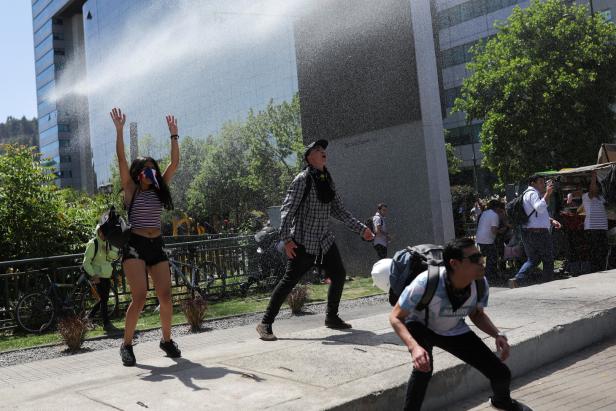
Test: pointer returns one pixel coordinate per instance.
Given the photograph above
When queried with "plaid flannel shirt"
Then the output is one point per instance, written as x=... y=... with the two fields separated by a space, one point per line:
x=307 y=222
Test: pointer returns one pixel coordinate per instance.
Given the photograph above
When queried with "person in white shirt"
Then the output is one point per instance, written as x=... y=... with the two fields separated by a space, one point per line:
x=536 y=234
x=381 y=233
x=487 y=230
x=595 y=225
x=442 y=324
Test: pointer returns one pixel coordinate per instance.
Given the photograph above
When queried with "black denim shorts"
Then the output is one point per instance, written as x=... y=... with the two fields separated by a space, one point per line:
x=147 y=249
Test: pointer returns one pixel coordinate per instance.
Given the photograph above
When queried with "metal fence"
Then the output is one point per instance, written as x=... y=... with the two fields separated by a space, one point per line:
x=234 y=256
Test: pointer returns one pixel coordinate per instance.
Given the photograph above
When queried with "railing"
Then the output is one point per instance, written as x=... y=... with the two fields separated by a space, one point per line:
x=233 y=255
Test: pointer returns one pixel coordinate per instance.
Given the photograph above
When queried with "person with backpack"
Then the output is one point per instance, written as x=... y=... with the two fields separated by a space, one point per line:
x=97 y=263
x=308 y=240
x=381 y=233
x=536 y=230
x=461 y=290
x=146 y=193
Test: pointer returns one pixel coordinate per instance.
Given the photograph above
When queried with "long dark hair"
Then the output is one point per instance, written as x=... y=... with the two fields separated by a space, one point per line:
x=163 y=193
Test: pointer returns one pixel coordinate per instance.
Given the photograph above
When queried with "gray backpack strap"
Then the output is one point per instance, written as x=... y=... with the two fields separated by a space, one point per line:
x=431 y=285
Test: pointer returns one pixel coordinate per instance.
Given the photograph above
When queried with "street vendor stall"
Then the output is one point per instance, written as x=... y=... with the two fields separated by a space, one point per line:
x=566 y=205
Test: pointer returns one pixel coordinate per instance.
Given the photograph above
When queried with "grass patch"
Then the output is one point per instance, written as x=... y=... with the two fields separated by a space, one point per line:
x=256 y=302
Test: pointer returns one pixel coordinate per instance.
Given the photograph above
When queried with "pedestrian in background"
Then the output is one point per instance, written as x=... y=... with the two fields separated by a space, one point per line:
x=536 y=233
x=595 y=225
x=488 y=228
x=381 y=232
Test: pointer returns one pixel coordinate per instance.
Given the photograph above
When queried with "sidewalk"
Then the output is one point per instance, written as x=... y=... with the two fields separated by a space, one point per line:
x=312 y=367
x=584 y=381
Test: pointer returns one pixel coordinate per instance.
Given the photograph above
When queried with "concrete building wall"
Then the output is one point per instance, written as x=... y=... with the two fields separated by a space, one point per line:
x=397 y=159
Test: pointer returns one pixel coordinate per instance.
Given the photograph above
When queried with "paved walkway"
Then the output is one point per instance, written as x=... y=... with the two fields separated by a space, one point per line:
x=584 y=381
x=312 y=367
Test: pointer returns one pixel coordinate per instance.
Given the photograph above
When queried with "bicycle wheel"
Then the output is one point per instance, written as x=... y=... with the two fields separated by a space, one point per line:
x=88 y=298
x=113 y=306
x=35 y=312
x=211 y=279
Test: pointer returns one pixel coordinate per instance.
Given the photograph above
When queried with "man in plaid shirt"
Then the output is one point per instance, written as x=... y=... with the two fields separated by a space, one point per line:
x=305 y=212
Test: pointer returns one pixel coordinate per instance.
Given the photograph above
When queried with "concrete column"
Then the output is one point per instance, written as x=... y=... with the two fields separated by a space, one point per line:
x=432 y=121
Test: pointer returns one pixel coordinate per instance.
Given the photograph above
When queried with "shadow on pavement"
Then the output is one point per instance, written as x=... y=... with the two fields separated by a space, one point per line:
x=188 y=373
x=354 y=337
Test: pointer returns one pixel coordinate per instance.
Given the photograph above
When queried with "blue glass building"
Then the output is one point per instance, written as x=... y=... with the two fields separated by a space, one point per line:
x=206 y=62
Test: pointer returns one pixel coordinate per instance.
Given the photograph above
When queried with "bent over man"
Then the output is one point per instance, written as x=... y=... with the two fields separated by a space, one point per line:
x=455 y=297
x=304 y=228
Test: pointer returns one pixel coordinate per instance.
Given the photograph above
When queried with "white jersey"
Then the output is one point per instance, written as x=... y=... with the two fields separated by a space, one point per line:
x=442 y=319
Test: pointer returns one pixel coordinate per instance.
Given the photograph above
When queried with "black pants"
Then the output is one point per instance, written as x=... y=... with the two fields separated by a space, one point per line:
x=491 y=253
x=597 y=242
x=296 y=267
x=102 y=288
x=469 y=348
x=381 y=251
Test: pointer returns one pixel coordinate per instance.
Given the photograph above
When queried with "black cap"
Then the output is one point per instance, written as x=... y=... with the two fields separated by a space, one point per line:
x=319 y=143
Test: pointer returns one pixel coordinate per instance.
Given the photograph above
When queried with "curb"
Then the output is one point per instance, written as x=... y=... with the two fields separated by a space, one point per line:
x=460 y=381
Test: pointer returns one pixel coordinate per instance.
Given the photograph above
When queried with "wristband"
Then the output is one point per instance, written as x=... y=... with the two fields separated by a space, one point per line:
x=501 y=334
x=174 y=136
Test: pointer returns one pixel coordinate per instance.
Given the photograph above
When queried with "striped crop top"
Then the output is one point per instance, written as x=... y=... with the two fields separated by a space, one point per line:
x=146 y=210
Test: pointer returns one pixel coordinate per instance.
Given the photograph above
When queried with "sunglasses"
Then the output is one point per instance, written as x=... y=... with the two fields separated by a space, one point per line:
x=475 y=258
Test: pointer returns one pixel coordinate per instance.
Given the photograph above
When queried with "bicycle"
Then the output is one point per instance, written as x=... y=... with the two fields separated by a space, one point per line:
x=201 y=279
x=36 y=312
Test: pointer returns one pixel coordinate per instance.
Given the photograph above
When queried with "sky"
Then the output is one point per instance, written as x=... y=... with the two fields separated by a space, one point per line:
x=17 y=81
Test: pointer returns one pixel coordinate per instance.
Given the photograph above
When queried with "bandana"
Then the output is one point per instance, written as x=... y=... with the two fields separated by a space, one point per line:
x=457 y=298
x=149 y=173
x=322 y=180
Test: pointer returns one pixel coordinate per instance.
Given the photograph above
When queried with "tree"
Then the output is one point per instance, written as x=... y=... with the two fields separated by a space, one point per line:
x=192 y=155
x=543 y=87
x=453 y=161
x=37 y=218
x=248 y=165
x=220 y=188
x=19 y=131
x=275 y=143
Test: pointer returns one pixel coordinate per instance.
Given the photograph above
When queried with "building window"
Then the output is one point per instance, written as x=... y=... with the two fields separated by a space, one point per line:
x=461 y=54
x=58 y=36
x=470 y=10
x=607 y=14
x=64 y=128
x=64 y=143
x=463 y=135
x=450 y=96
x=65 y=159
x=58 y=21
x=58 y=52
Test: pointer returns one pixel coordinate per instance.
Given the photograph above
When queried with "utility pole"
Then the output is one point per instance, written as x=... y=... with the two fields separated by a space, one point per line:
x=474 y=166
x=134 y=141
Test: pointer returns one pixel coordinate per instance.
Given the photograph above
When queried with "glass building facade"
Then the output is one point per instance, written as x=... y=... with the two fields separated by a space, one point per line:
x=206 y=62
x=63 y=130
x=461 y=24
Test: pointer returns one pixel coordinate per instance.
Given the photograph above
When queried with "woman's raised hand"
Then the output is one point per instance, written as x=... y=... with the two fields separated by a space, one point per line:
x=118 y=118
x=172 y=123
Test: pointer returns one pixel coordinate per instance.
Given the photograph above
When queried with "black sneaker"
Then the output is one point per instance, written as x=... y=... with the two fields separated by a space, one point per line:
x=512 y=405
x=171 y=348
x=265 y=332
x=336 y=323
x=127 y=355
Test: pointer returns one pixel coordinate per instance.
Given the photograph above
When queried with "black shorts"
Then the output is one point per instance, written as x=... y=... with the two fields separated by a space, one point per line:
x=150 y=250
